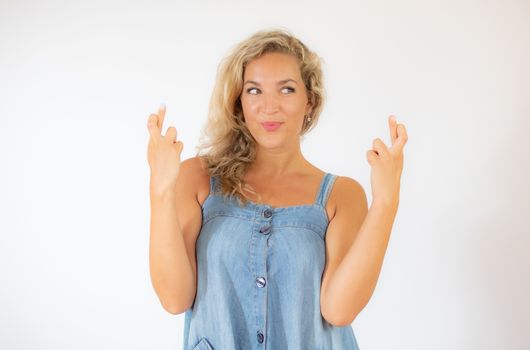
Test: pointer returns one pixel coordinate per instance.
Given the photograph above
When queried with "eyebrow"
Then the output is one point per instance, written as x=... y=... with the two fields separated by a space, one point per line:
x=278 y=83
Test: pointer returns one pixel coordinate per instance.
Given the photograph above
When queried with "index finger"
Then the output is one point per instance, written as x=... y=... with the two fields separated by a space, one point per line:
x=402 y=138
x=161 y=115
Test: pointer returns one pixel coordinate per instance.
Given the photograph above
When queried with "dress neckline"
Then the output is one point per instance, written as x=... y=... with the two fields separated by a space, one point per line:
x=254 y=205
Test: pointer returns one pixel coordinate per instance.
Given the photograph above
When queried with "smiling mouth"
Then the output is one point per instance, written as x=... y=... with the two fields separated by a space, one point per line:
x=271 y=126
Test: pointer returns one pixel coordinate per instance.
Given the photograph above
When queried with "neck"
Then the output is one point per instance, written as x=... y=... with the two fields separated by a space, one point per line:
x=277 y=163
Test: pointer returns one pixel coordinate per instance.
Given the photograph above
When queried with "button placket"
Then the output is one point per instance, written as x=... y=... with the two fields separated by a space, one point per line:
x=267 y=214
x=261 y=281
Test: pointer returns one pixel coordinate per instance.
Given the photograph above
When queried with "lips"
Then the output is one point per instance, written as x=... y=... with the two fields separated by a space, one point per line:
x=271 y=126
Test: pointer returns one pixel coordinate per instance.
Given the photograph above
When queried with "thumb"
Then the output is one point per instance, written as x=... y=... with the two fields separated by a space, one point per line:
x=179 y=146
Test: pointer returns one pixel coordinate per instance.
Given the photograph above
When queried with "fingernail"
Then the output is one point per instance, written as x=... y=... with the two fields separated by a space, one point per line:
x=163 y=105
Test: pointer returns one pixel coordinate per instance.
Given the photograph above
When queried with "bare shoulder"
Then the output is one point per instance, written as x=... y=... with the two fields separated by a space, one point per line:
x=347 y=193
x=194 y=165
x=194 y=176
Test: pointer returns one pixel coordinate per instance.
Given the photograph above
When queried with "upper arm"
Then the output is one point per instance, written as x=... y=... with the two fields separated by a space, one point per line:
x=351 y=207
x=192 y=186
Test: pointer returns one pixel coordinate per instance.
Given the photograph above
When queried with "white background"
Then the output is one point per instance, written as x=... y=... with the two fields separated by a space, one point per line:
x=79 y=79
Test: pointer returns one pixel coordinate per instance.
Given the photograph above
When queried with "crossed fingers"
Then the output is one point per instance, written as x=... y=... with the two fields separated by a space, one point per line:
x=398 y=134
x=398 y=138
x=155 y=121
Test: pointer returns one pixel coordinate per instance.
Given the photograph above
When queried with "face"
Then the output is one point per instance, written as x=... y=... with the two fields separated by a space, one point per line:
x=274 y=100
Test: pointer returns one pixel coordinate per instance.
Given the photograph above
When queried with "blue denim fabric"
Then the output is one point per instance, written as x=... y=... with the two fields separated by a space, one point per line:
x=259 y=273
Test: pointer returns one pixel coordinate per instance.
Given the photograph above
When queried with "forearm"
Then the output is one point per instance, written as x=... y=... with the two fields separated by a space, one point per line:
x=354 y=280
x=170 y=269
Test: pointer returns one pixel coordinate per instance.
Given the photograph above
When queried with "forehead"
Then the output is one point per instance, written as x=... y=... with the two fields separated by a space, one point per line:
x=273 y=66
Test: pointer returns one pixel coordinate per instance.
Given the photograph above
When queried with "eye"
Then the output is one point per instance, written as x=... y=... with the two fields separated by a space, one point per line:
x=288 y=88
x=249 y=90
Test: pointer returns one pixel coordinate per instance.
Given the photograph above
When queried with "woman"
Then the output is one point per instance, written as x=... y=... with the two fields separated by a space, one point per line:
x=260 y=248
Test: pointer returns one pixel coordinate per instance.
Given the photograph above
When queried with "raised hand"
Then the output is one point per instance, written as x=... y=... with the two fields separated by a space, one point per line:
x=163 y=154
x=387 y=164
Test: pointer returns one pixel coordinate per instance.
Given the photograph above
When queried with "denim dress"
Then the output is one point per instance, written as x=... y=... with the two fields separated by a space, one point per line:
x=259 y=274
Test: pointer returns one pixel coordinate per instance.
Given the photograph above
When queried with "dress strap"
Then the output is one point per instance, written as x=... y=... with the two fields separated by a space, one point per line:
x=214 y=185
x=325 y=189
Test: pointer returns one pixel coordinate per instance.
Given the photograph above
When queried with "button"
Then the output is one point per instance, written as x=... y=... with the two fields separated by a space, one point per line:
x=260 y=337
x=267 y=213
x=265 y=229
x=260 y=282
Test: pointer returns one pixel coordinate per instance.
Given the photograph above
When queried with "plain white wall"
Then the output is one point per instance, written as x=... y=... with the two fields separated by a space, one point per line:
x=79 y=79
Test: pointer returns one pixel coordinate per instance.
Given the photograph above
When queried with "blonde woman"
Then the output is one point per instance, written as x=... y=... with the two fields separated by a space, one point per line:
x=260 y=248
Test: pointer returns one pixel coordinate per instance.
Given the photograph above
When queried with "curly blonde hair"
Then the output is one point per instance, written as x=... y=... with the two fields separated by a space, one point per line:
x=226 y=144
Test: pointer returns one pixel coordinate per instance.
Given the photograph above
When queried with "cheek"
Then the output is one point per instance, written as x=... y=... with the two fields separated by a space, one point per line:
x=249 y=108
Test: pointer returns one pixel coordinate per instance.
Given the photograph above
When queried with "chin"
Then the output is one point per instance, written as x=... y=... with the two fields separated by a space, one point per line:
x=269 y=143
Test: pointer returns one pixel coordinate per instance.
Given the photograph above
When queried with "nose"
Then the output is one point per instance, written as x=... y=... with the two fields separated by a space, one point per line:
x=270 y=103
